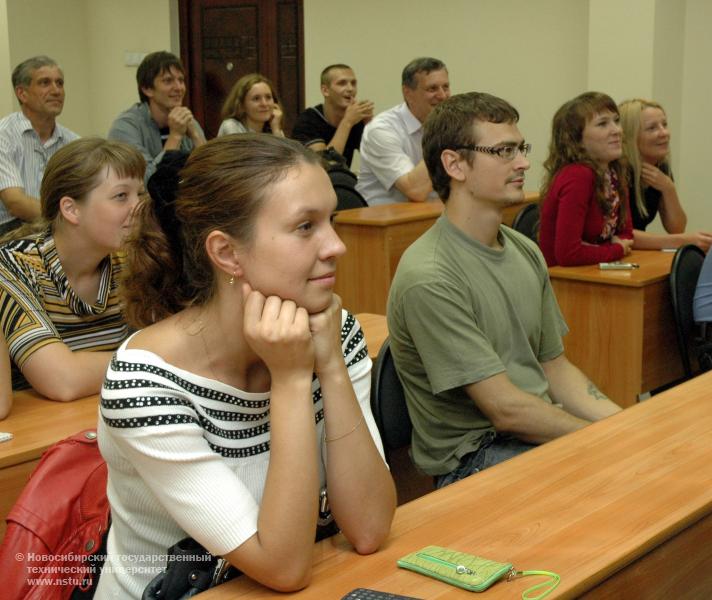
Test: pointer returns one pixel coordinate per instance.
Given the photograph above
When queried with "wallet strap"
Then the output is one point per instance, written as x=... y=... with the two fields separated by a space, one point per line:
x=550 y=585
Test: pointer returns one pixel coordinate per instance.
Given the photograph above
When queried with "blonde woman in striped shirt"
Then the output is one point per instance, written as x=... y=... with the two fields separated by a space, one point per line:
x=59 y=306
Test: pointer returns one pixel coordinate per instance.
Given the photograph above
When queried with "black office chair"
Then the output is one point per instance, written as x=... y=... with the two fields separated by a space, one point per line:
x=348 y=197
x=527 y=222
x=686 y=266
x=393 y=421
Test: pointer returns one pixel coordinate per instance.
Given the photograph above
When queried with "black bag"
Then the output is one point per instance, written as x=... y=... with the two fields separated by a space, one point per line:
x=191 y=569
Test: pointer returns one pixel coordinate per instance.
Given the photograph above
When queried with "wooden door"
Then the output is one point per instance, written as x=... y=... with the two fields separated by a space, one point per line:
x=222 y=40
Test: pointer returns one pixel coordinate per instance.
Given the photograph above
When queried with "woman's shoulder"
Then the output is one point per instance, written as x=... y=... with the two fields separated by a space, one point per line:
x=231 y=125
x=577 y=170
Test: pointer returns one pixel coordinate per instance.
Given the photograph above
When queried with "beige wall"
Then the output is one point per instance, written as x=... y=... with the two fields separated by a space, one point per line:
x=61 y=33
x=695 y=133
x=89 y=38
x=531 y=53
x=535 y=54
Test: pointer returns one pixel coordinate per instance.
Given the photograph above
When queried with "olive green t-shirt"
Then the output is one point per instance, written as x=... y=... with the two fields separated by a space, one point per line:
x=460 y=312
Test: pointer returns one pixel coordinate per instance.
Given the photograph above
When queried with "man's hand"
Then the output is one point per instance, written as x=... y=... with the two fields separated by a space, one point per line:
x=179 y=119
x=359 y=111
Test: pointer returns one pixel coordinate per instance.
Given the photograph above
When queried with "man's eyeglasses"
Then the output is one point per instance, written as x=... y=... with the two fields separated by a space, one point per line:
x=507 y=152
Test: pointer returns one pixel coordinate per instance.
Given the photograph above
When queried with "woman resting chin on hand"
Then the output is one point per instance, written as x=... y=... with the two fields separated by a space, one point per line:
x=246 y=393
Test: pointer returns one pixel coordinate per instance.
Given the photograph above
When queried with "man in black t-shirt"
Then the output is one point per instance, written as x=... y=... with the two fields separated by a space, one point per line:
x=337 y=123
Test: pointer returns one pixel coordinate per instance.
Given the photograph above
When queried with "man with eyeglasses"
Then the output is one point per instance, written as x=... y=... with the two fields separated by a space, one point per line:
x=392 y=168
x=159 y=122
x=475 y=328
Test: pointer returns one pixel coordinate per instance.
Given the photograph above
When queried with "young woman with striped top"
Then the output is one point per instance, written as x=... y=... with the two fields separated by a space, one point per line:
x=246 y=393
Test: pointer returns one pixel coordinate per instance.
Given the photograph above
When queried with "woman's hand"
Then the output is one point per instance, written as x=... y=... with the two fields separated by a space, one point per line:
x=655 y=178
x=278 y=331
x=625 y=243
x=325 y=330
x=701 y=239
x=275 y=123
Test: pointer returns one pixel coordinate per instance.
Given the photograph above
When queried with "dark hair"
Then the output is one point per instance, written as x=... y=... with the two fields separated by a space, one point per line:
x=425 y=64
x=326 y=75
x=152 y=66
x=221 y=187
x=566 y=146
x=450 y=125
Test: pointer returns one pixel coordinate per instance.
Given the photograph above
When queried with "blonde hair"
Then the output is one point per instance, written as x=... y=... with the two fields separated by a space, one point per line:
x=631 y=112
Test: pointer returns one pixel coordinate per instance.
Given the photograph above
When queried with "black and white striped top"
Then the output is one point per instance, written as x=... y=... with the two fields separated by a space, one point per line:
x=188 y=455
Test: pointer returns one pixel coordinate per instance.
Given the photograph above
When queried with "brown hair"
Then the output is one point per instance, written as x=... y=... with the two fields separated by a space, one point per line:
x=221 y=187
x=450 y=126
x=631 y=112
x=74 y=171
x=566 y=146
x=234 y=105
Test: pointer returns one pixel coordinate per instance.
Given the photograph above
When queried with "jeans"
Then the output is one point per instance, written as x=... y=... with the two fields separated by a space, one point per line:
x=493 y=449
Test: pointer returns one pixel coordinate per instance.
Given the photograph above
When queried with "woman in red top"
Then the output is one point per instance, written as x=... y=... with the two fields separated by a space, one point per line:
x=585 y=218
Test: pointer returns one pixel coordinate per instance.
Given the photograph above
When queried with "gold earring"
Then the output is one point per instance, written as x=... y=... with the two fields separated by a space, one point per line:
x=232 y=279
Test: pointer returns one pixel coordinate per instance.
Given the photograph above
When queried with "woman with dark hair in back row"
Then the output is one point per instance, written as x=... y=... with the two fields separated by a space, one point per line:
x=244 y=400
x=585 y=218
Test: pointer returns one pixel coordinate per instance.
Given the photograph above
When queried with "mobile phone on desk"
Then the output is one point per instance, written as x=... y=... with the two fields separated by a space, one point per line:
x=366 y=594
x=618 y=266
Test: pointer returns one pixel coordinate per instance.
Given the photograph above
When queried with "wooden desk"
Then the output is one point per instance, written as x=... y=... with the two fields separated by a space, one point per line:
x=36 y=423
x=375 y=330
x=620 y=509
x=622 y=332
x=376 y=238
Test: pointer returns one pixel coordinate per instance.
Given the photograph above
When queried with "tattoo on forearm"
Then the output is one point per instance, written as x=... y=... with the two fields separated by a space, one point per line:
x=595 y=392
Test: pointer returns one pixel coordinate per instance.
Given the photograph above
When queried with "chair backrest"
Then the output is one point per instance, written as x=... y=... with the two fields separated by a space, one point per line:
x=348 y=197
x=388 y=401
x=527 y=221
x=685 y=271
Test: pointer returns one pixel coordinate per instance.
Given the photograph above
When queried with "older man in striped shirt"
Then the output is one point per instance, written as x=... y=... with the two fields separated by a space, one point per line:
x=29 y=137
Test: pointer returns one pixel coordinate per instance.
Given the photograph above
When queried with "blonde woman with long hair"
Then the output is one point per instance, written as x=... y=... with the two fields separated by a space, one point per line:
x=651 y=188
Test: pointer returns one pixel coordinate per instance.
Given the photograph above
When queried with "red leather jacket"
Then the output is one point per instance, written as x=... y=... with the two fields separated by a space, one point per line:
x=57 y=522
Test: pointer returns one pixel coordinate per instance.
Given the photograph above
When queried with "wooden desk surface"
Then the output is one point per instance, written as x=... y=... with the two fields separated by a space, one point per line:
x=375 y=330
x=37 y=423
x=654 y=266
x=611 y=508
x=384 y=215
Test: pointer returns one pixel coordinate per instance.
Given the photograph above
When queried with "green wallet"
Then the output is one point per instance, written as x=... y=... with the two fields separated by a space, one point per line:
x=466 y=571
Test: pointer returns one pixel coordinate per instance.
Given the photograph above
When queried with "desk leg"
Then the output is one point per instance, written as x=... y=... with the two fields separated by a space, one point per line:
x=605 y=338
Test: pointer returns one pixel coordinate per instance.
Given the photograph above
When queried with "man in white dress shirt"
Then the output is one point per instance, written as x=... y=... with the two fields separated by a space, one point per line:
x=392 y=168
x=29 y=137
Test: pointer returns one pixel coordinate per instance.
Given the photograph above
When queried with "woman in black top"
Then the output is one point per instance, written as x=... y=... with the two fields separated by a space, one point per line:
x=651 y=189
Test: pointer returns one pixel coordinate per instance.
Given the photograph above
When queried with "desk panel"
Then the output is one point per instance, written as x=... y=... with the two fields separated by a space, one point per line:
x=375 y=238
x=621 y=325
